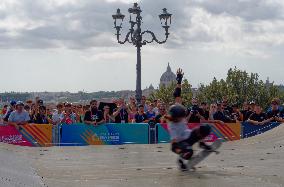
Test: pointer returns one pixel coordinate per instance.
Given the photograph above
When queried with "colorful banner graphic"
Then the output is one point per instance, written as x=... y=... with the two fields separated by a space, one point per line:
x=27 y=135
x=116 y=134
x=108 y=134
x=227 y=132
x=252 y=130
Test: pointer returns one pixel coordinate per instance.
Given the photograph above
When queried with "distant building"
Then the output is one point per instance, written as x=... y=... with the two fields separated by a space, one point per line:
x=168 y=77
x=268 y=83
x=148 y=91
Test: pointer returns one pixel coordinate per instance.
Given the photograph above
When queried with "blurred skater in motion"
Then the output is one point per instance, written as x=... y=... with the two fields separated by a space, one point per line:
x=183 y=138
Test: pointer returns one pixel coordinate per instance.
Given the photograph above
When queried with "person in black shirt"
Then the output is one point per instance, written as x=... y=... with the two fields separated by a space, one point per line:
x=221 y=115
x=204 y=107
x=226 y=106
x=246 y=111
x=141 y=117
x=11 y=109
x=195 y=114
x=41 y=117
x=236 y=114
x=258 y=117
x=275 y=112
x=94 y=116
x=160 y=118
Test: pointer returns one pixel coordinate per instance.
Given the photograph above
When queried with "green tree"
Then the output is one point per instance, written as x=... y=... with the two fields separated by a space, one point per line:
x=239 y=86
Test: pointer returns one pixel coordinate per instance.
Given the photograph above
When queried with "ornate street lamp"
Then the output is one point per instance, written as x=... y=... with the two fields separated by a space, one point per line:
x=135 y=36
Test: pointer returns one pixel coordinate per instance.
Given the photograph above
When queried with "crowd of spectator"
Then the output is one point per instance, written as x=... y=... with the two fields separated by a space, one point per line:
x=129 y=112
x=121 y=111
x=95 y=113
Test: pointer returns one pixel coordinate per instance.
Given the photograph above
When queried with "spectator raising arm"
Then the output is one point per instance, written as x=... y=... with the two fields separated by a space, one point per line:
x=177 y=92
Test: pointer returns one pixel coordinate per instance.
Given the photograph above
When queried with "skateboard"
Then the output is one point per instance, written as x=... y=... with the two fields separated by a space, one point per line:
x=203 y=154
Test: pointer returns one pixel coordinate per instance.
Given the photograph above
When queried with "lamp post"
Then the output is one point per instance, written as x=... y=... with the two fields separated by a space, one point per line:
x=135 y=36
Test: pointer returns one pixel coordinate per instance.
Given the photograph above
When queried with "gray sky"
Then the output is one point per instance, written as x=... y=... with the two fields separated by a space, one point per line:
x=69 y=45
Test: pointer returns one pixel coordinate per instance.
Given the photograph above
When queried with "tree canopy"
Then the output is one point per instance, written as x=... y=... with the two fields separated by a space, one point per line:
x=239 y=86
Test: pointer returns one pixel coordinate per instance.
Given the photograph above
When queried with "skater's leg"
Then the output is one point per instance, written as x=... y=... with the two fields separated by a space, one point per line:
x=186 y=154
x=182 y=164
x=183 y=149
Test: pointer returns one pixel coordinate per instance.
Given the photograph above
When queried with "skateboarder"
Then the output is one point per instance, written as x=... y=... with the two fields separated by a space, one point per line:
x=183 y=138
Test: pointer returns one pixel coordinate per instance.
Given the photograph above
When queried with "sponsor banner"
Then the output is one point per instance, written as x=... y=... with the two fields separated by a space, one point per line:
x=107 y=134
x=228 y=132
x=252 y=130
x=27 y=135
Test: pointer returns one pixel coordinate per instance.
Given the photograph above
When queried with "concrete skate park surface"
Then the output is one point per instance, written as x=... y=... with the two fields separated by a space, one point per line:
x=256 y=161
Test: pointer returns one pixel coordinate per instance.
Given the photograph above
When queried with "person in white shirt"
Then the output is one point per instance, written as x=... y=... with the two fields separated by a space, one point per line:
x=19 y=116
x=58 y=115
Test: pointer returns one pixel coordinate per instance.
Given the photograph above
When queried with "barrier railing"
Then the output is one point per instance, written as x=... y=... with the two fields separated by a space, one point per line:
x=228 y=132
x=27 y=135
x=249 y=130
x=116 y=134
x=108 y=134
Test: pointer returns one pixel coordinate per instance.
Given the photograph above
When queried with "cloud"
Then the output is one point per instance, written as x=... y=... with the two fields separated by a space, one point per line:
x=247 y=27
x=247 y=9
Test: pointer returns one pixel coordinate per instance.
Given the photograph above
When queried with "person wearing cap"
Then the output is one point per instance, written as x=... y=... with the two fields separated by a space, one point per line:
x=275 y=112
x=251 y=107
x=141 y=116
x=40 y=102
x=19 y=116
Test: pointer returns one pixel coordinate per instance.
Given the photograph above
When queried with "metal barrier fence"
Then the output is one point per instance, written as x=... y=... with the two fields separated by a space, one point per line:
x=116 y=134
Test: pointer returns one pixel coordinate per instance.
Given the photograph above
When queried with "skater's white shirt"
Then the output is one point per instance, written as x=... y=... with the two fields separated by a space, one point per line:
x=179 y=131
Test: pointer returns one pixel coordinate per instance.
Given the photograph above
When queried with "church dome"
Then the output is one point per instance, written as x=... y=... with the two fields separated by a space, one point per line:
x=168 y=77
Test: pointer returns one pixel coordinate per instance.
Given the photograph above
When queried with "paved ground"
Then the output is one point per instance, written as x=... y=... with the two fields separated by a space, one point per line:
x=257 y=161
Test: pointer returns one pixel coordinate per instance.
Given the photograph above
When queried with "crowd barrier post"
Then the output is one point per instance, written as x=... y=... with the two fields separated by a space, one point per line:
x=55 y=135
x=153 y=132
